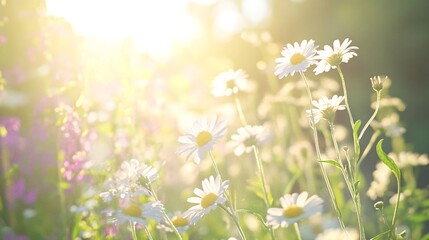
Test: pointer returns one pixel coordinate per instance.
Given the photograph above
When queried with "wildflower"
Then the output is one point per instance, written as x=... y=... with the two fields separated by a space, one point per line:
x=326 y=108
x=296 y=58
x=248 y=137
x=390 y=102
x=405 y=159
x=377 y=83
x=381 y=181
x=202 y=137
x=212 y=194
x=338 y=234
x=179 y=220
x=294 y=208
x=138 y=213
x=230 y=82
x=333 y=57
x=135 y=171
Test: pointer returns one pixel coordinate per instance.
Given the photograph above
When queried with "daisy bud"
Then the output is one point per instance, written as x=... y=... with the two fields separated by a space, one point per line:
x=377 y=83
x=379 y=205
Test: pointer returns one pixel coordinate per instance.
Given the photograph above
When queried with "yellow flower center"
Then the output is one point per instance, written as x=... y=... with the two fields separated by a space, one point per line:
x=208 y=200
x=132 y=210
x=335 y=59
x=203 y=138
x=293 y=211
x=297 y=58
x=179 y=221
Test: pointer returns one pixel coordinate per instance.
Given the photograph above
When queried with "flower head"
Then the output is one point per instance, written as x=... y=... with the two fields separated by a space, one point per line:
x=212 y=194
x=202 y=137
x=179 y=220
x=296 y=58
x=138 y=213
x=326 y=108
x=248 y=137
x=377 y=83
x=333 y=57
x=294 y=208
x=230 y=82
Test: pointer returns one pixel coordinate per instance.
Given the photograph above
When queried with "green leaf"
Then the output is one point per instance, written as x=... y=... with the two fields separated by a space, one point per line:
x=381 y=235
x=388 y=161
x=332 y=162
x=356 y=139
x=356 y=187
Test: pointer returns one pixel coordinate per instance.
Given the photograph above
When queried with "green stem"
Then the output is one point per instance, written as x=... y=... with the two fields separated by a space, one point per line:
x=214 y=163
x=319 y=157
x=369 y=146
x=165 y=214
x=396 y=207
x=240 y=110
x=133 y=230
x=345 y=96
x=298 y=234
x=261 y=172
x=372 y=117
x=235 y=220
x=149 y=236
x=354 y=193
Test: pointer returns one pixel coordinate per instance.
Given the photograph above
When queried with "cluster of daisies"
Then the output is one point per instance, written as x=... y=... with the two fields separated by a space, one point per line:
x=130 y=188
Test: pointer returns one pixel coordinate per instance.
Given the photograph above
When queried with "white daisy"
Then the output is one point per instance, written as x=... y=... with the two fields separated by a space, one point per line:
x=248 y=137
x=294 y=208
x=134 y=171
x=405 y=159
x=333 y=57
x=381 y=181
x=326 y=108
x=138 y=213
x=338 y=234
x=179 y=220
x=296 y=58
x=230 y=82
x=212 y=194
x=390 y=125
x=202 y=137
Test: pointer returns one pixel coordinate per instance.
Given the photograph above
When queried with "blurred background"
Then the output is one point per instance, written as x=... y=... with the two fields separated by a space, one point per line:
x=53 y=51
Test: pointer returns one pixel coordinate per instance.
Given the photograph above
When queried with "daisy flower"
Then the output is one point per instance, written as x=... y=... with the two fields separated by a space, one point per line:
x=333 y=57
x=248 y=137
x=201 y=138
x=294 y=208
x=212 y=194
x=138 y=213
x=230 y=82
x=135 y=171
x=296 y=58
x=179 y=220
x=326 y=108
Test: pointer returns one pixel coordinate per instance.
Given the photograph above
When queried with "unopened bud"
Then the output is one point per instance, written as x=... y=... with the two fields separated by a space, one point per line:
x=403 y=233
x=379 y=205
x=377 y=83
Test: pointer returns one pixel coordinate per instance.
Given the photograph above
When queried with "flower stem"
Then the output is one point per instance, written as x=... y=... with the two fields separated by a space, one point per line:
x=235 y=220
x=354 y=192
x=149 y=236
x=345 y=96
x=372 y=117
x=369 y=146
x=240 y=110
x=319 y=158
x=396 y=207
x=214 y=163
x=298 y=234
x=133 y=230
x=261 y=173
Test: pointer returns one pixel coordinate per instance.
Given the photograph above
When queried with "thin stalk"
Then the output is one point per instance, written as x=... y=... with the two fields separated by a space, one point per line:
x=369 y=146
x=149 y=236
x=298 y=234
x=235 y=220
x=240 y=110
x=263 y=181
x=373 y=115
x=345 y=96
x=133 y=230
x=214 y=163
x=354 y=193
x=319 y=157
x=165 y=214
x=261 y=172
x=396 y=206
